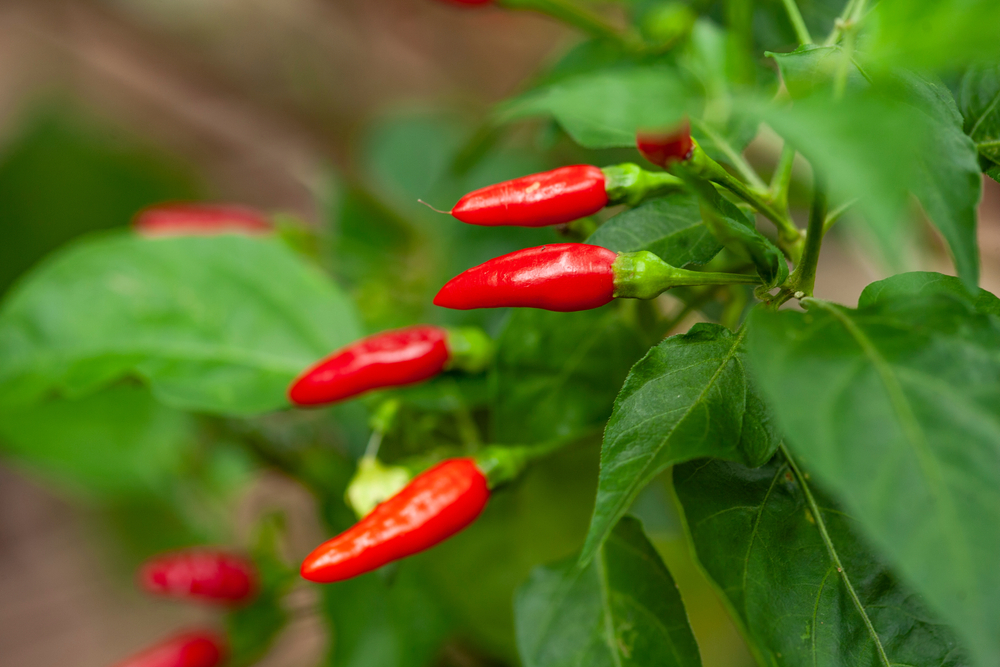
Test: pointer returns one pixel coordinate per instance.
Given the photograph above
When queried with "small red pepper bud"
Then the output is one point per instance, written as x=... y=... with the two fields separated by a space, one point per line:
x=562 y=277
x=665 y=148
x=391 y=359
x=190 y=649
x=549 y=198
x=212 y=576
x=435 y=505
x=200 y=220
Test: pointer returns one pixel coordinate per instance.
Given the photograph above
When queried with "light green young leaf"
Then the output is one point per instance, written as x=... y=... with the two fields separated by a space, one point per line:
x=623 y=609
x=604 y=109
x=668 y=226
x=763 y=546
x=896 y=409
x=689 y=397
x=218 y=324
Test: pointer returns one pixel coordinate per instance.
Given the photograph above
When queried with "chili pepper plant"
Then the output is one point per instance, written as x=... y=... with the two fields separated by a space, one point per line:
x=558 y=425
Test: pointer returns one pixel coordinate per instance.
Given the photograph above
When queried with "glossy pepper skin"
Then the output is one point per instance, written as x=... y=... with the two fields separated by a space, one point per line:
x=210 y=576
x=199 y=220
x=666 y=148
x=387 y=359
x=435 y=505
x=562 y=277
x=189 y=649
x=549 y=198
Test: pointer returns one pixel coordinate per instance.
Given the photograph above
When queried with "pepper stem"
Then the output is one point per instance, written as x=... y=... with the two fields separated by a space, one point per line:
x=643 y=275
x=629 y=183
x=470 y=349
x=505 y=463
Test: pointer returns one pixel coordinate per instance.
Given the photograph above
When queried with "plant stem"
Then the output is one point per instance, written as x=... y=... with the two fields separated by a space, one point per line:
x=746 y=171
x=804 y=278
x=835 y=214
x=801 y=31
x=787 y=230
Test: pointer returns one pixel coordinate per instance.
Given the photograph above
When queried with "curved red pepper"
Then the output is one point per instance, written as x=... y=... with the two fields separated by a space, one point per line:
x=190 y=649
x=548 y=198
x=435 y=505
x=213 y=576
x=387 y=359
x=562 y=277
x=200 y=220
x=665 y=148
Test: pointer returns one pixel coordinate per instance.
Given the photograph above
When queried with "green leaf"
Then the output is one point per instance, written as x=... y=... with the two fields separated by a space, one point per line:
x=772 y=558
x=384 y=619
x=622 y=609
x=929 y=34
x=896 y=409
x=119 y=442
x=979 y=101
x=810 y=68
x=688 y=397
x=218 y=324
x=917 y=283
x=557 y=373
x=668 y=226
x=604 y=109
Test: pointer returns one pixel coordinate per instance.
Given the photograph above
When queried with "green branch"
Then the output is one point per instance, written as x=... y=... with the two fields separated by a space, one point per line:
x=801 y=31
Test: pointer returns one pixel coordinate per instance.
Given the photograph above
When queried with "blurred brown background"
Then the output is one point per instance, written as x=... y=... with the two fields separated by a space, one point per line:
x=265 y=97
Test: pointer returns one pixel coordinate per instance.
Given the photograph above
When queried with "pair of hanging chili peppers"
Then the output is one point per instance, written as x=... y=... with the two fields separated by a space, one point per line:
x=199 y=575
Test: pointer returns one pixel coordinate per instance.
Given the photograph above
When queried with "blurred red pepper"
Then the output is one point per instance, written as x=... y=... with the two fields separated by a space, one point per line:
x=390 y=359
x=200 y=220
x=562 y=277
x=435 y=505
x=190 y=649
x=665 y=148
x=213 y=576
x=549 y=198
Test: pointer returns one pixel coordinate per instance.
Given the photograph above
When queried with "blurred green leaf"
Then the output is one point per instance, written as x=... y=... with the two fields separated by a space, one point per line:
x=761 y=543
x=935 y=34
x=688 y=397
x=118 y=442
x=622 y=609
x=604 y=109
x=64 y=176
x=388 y=618
x=668 y=226
x=920 y=283
x=875 y=147
x=219 y=324
x=979 y=101
x=896 y=409
x=558 y=373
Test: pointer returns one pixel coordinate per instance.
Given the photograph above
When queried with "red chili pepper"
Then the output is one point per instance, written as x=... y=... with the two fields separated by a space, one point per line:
x=549 y=198
x=213 y=576
x=562 y=277
x=665 y=148
x=435 y=505
x=190 y=649
x=200 y=220
x=387 y=359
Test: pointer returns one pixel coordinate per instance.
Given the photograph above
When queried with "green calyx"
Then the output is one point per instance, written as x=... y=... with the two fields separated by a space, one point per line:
x=374 y=483
x=643 y=275
x=629 y=183
x=501 y=464
x=470 y=349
